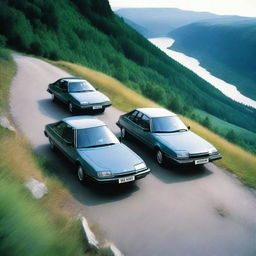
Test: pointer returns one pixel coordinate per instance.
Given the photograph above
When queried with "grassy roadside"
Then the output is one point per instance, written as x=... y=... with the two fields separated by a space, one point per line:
x=235 y=159
x=7 y=71
x=29 y=226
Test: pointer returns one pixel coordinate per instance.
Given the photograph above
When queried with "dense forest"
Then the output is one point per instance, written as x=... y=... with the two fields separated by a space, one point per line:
x=226 y=49
x=89 y=33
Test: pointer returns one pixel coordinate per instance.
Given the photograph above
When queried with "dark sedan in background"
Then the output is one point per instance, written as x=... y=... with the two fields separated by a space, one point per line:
x=95 y=150
x=78 y=94
x=168 y=136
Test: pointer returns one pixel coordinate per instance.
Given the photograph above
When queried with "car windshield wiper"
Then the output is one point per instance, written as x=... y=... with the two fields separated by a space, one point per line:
x=179 y=130
x=79 y=91
x=161 y=131
x=89 y=90
x=100 y=145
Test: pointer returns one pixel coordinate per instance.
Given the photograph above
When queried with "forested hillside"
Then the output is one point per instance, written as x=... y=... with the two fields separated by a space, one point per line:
x=226 y=49
x=87 y=32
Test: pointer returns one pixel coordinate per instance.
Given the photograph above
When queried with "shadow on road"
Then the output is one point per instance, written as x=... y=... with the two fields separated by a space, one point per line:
x=51 y=109
x=59 y=110
x=89 y=194
x=169 y=173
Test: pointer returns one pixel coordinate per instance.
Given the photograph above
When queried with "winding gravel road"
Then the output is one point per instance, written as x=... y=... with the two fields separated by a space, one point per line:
x=170 y=212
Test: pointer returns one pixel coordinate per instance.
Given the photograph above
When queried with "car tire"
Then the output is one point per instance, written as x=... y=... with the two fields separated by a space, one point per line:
x=70 y=107
x=159 y=157
x=52 y=146
x=123 y=133
x=81 y=175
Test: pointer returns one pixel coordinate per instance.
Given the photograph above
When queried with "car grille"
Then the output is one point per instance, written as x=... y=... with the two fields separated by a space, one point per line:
x=199 y=155
x=123 y=174
x=100 y=104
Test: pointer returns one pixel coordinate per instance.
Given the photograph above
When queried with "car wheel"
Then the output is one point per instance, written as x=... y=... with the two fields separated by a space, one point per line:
x=70 y=107
x=123 y=133
x=81 y=175
x=159 y=157
x=52 y=146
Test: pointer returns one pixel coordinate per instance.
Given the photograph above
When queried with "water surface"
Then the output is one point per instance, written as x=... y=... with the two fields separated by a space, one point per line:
x=193 y=64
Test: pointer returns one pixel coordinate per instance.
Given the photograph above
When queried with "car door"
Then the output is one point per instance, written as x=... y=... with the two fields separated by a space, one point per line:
x=129 y=122
x=68 y=143
x=143 y=130
x=61 y=90
x=57 y=137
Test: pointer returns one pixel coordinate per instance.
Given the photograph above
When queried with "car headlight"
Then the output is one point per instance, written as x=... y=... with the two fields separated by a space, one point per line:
x=104 y=174
x=83 y=102
x=140 y=166
x=182 y=154
x=212 y=151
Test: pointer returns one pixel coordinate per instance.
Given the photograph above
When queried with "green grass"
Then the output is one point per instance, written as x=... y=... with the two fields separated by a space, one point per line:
x=26 y=228
x=243 y=137
x=8 y=69
x=235 y=159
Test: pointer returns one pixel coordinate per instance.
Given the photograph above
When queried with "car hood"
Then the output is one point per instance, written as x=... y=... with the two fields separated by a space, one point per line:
x=188 y=141
x=90 y=97
x=117 y=158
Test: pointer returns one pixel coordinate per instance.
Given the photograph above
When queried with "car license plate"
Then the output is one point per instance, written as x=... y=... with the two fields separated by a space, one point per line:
x=97 y=107
x=202 y=161
x=126 y=179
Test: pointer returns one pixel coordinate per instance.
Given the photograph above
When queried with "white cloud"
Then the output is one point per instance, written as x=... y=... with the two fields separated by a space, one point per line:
x=231 y=7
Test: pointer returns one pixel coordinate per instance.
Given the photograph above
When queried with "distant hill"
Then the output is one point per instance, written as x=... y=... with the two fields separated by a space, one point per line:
x=137 y=27
x=226 y=48
x=89 y=33
x=160 y=21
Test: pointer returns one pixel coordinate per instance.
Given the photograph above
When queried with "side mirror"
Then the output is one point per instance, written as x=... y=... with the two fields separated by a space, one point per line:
x=188 y=127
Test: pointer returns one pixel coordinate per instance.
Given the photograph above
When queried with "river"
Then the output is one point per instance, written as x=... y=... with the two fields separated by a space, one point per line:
x=193 y=64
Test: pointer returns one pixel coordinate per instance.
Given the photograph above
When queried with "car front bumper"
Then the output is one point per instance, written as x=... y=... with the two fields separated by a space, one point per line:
x=137 y=176
x=97 y=106
x=194 y=161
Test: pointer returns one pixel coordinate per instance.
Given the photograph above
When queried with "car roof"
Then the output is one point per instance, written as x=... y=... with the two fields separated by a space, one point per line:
x=156 y=112
x=82 y=122
x=73 y=79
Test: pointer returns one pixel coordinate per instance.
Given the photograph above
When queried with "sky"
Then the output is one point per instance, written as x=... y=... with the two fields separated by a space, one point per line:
x=228 y=7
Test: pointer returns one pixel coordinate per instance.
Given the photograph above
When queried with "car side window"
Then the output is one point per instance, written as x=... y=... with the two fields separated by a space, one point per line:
x=68 y=134
x=137 y=119
x=57 y=83
x=63 y=85
x=59 y=128
x=133 y=115
x=144 y=122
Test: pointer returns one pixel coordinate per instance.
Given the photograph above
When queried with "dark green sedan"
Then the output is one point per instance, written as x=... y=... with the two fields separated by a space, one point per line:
x=95 y=150
x=78 y=94
x=168 y=136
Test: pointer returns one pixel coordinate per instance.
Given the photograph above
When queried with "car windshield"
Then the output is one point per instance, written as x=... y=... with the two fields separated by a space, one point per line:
x=81 y=86
x=95 y=137
x=168 y=124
